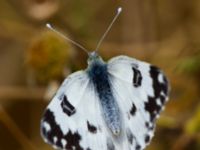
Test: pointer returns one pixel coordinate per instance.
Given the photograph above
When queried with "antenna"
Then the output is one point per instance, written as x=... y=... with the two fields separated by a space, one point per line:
x=119 y=10
x=48 y=25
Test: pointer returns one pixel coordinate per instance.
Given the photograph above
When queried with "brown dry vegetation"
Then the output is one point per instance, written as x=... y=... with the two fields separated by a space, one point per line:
x=33 y=61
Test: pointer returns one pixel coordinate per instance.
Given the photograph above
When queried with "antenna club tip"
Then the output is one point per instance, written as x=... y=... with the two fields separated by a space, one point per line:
x=48 y=25
x=119 y=9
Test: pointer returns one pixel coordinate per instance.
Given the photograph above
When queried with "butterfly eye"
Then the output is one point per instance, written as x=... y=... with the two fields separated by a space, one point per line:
x=89 y=60
x=93 y=56
x=97 y=57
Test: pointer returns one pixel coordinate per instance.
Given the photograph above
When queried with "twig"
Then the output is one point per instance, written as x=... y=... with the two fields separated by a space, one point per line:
x=21 y=93
x=15 y=131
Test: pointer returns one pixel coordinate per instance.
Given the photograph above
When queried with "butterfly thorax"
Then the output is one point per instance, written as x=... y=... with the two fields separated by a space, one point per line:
x=97 y=72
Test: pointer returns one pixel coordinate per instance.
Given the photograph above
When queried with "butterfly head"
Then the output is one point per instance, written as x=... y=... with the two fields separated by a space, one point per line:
x=94 y=57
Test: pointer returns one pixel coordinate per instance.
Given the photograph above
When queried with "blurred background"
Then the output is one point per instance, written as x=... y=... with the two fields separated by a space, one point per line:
x=34 y=61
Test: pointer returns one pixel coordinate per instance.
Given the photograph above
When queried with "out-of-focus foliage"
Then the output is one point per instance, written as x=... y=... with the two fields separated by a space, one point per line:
x=165 y=33
x=193 y=124
x=191 y=65
x=48 y=56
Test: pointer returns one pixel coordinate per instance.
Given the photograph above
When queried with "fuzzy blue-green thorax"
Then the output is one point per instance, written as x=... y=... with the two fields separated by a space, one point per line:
x=98 y=74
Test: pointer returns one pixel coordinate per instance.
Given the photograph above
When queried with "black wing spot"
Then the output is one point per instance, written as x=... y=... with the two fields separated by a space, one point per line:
x=67 y=107
x=91 y=128
x=137 y=77
x=130 y=136
x=159 y=88
x=162 y=99
x=151 y=106
x=73 y=139
x=138 y=147
x=147 y=139
x=55 y=129
x=150 y=126
x=133 y=110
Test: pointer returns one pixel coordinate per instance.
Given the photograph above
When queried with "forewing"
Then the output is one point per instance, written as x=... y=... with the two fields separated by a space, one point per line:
x=141 y=91
x=72 y=120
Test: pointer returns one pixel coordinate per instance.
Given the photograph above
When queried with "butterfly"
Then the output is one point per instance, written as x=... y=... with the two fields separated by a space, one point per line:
x=108 y=106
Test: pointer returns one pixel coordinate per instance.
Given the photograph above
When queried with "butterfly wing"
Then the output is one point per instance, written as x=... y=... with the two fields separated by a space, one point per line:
x=72 y=120
x=141 y=91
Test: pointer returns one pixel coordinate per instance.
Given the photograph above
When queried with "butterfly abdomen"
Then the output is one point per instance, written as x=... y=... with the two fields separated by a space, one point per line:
x=110 y=110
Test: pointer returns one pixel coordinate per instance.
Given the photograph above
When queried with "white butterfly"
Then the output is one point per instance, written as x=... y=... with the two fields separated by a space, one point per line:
x=108 y=106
